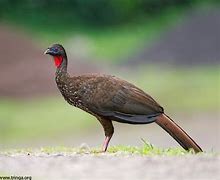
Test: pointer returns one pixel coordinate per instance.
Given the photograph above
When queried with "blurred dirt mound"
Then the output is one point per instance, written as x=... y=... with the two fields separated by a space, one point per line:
x=193 y=41
x=24 y=70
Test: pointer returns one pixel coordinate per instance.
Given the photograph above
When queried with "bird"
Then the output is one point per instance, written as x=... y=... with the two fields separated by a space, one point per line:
x=110 y=98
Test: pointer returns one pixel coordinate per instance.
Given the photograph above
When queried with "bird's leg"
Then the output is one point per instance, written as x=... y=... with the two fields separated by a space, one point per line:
x=109 y=130
x=106 y=142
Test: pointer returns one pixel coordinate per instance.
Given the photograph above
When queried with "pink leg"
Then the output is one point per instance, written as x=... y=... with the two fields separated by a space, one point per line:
x=106 y=142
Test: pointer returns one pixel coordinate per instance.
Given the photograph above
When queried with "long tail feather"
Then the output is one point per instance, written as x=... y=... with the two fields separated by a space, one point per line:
x=177 y=133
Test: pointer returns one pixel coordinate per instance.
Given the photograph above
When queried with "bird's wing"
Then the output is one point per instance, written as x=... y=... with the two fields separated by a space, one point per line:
x=126 y=103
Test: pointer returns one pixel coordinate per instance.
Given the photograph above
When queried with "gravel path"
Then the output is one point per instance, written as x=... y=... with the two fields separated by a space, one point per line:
x=110 y=166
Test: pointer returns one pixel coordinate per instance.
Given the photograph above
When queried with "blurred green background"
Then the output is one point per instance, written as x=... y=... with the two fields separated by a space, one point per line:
x=169 y=48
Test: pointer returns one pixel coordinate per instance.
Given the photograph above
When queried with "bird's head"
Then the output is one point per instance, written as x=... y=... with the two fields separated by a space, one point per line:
x=57 y=52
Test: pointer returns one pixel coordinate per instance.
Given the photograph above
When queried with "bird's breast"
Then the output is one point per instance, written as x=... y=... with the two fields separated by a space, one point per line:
x=75 y=94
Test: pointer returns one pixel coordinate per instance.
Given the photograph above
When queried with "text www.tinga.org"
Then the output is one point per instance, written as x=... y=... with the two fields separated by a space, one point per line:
x=16 y=177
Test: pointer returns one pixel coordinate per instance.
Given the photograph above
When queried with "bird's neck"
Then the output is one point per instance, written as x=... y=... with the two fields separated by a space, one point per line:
x=62 y=67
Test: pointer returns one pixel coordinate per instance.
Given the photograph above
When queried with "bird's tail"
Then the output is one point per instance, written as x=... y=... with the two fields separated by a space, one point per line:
x=177 y=133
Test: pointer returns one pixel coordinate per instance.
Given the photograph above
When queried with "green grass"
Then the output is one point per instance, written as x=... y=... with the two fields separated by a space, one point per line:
x=146 y=150
x=39 y=119
x=113 y=44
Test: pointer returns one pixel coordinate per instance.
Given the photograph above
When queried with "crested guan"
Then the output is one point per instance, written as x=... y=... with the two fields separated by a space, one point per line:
x=109 y=99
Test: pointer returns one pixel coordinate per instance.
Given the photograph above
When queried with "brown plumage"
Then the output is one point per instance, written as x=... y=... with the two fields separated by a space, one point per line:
x=109 y=99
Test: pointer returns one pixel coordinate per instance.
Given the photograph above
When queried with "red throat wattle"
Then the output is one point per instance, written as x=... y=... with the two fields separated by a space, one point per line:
x=58 y=60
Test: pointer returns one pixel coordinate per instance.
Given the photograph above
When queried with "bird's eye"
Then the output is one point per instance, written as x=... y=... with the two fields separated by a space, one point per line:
x=55 y=49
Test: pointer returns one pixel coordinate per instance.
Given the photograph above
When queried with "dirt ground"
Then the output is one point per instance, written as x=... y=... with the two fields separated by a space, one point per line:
x=110 y=166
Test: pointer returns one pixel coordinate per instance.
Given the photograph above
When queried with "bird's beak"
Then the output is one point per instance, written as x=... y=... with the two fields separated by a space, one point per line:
x=47 y=51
